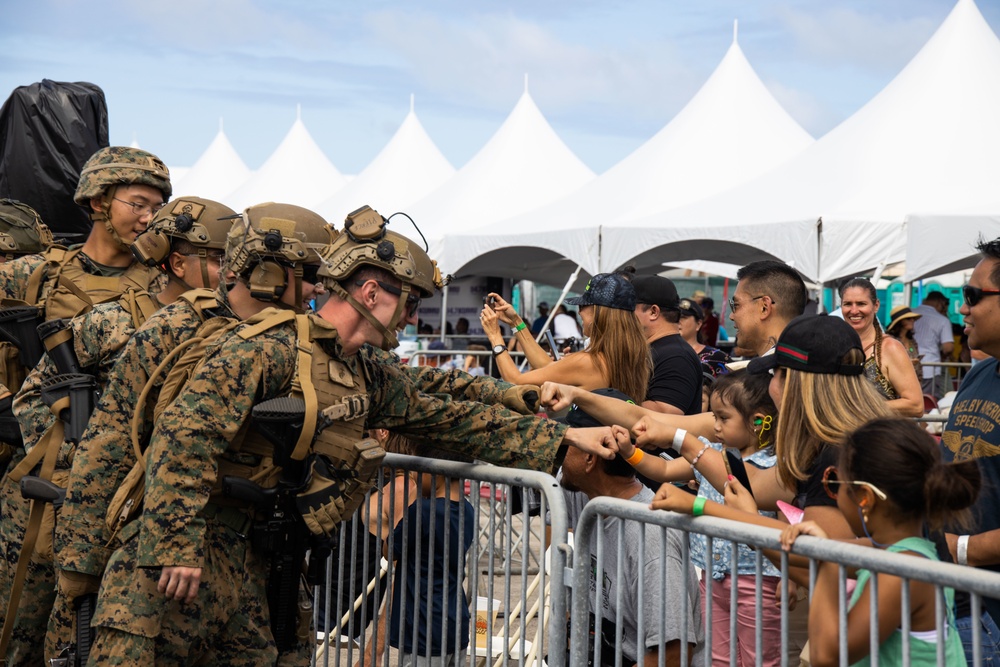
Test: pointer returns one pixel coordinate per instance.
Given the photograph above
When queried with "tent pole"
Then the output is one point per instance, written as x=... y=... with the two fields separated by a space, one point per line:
x=444 y=312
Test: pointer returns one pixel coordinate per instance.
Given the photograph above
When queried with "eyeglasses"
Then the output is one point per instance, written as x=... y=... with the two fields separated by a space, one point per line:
x=973 y=295
x=141 y=209
x=412 y=301
x=830 y=479
x=734 y=305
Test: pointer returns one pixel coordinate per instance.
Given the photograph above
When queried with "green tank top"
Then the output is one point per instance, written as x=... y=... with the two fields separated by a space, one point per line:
x=890 y=652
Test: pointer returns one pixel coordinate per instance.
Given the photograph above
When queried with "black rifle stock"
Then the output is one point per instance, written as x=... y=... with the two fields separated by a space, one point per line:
x=58 y=341
x=81 y=390
x=18 y=326
x=281 y=534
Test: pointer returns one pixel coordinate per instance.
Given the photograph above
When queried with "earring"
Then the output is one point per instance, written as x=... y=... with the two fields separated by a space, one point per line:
x=765 y=426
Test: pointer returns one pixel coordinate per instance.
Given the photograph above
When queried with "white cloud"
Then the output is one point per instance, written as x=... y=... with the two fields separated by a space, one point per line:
x=867 y=40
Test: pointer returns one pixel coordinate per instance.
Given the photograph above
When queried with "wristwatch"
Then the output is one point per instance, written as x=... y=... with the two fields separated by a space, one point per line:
x=499 y=349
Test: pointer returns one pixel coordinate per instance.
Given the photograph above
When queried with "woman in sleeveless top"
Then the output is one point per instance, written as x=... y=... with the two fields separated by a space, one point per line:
x=887 y=365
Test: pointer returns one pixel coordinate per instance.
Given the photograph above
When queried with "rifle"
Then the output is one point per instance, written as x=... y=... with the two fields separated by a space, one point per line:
x=18 y=326
x=70 y=655
x=79 y=387
x=281 y=534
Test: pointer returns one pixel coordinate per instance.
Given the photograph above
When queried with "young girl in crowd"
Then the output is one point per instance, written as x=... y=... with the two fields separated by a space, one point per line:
x=744 y=416
x=890 y=485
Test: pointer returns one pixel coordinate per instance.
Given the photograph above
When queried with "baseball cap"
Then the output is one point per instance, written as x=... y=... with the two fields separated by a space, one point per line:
x=544 y=304
x=577 y=418
x=813 y=344
x=611 y=290
x=690 y=308
x=656 y=291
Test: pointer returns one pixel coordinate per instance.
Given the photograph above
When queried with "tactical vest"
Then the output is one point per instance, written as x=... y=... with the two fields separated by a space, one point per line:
x=74 y=291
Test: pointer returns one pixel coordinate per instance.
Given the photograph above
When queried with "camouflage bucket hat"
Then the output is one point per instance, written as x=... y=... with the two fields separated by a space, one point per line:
x=21 y=229
x=611 y=290
x=121 y=165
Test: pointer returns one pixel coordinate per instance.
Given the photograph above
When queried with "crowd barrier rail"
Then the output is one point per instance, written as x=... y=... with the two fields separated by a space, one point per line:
x=507 y=566
x=978 y=583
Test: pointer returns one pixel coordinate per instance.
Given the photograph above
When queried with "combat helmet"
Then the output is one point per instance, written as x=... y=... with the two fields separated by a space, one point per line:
x=267 y=239
x=22 y=231
x=115 y=166
x=365 y=241
x=203 y=223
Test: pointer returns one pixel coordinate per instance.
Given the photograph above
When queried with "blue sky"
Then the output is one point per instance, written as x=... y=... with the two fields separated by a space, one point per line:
x=607 y=75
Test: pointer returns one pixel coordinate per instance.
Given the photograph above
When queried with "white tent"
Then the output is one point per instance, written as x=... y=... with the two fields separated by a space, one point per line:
x=731 y=131
x=297 y=172
x=523 y=166
x=939 y=244
x=927 y=142
x=216 y=173
x=408 y=168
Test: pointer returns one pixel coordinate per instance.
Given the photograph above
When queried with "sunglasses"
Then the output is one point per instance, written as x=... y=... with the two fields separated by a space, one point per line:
x=310 y=273
x=412 y=301
x=830 y=479
x=973 y=295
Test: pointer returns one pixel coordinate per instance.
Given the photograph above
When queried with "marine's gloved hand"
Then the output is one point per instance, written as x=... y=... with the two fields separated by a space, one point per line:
x=10 y=430
x=334 y=495
x=522 y=398
x=77 y=584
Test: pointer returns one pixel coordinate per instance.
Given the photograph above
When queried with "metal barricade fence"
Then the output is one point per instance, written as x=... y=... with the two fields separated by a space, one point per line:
x=597 y=547
x=507 y=577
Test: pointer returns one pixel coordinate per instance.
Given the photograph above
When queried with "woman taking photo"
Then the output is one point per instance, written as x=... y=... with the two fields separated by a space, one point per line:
x=617 y=355
x=887 y=364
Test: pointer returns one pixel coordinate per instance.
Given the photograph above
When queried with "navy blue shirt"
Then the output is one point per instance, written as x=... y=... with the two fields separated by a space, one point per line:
x=425 y=566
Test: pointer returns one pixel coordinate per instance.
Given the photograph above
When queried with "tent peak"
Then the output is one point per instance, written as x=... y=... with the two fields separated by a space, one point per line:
x=736 y=28
x=298 y=111
x=411 y=102
x=220 y=124
x=526 y=83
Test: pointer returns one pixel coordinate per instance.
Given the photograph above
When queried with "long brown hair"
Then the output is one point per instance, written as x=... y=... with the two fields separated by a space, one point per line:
x=818 y=410
x=620 y=351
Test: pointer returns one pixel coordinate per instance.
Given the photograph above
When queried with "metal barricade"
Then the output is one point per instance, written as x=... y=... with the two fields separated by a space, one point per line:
x=593 y=544
x=399 y=544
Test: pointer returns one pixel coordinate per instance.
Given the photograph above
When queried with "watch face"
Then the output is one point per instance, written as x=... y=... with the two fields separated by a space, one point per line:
x=497 y=349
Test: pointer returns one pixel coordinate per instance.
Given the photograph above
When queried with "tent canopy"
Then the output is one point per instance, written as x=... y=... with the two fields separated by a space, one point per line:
x=217 y=172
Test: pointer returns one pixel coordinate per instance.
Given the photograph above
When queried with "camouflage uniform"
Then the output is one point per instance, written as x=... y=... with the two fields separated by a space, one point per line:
x=227 y=622
x=98 y=336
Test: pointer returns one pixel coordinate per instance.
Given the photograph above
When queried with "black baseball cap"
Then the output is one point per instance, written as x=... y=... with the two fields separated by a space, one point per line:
x=577 y=418
x=813 y=344
x=656 y=291
x=690 y=308
x=611 y=290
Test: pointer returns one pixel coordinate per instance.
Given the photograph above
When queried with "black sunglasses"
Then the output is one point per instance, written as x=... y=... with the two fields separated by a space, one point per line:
x=973 y=295
x=412 y=301
x=310 y=273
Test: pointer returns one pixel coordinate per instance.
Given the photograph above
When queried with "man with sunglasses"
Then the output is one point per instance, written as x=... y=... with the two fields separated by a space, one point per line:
x=973 y=431
x=933 y=334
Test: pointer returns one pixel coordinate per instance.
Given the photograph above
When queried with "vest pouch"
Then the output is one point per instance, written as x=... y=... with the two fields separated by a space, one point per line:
x=332 y=495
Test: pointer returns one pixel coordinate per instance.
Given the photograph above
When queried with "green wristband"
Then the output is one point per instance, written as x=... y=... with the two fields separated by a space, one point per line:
x=520 y=326
x=699 y=507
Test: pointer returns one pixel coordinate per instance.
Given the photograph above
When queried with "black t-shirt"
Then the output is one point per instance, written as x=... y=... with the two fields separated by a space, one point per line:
x=676 y=378
x=810 y=491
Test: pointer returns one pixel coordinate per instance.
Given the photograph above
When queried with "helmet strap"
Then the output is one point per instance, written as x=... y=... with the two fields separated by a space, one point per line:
x=105 y=217
x=389 y=340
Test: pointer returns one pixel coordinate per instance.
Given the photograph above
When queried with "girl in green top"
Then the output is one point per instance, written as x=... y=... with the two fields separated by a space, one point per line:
x=890 y=485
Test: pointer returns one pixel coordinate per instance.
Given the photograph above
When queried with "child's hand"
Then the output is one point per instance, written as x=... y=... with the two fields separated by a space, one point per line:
x=672 y=499
x=738 y=497
x=625 y=446
x=789 y=534
x=649 y=433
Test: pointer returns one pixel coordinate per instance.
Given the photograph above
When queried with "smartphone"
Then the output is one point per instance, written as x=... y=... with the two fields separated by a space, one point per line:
x=552 y=345
x=738 y=469
x=489 y=302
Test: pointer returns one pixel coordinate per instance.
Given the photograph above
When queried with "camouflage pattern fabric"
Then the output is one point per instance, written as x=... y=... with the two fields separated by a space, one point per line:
x=195 y=432
x=104 y=456
x=98 y=337
x=227 y=624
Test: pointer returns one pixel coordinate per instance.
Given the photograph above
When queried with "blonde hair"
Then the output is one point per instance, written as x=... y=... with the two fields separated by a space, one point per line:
x=620 y=351
x=820 y=410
